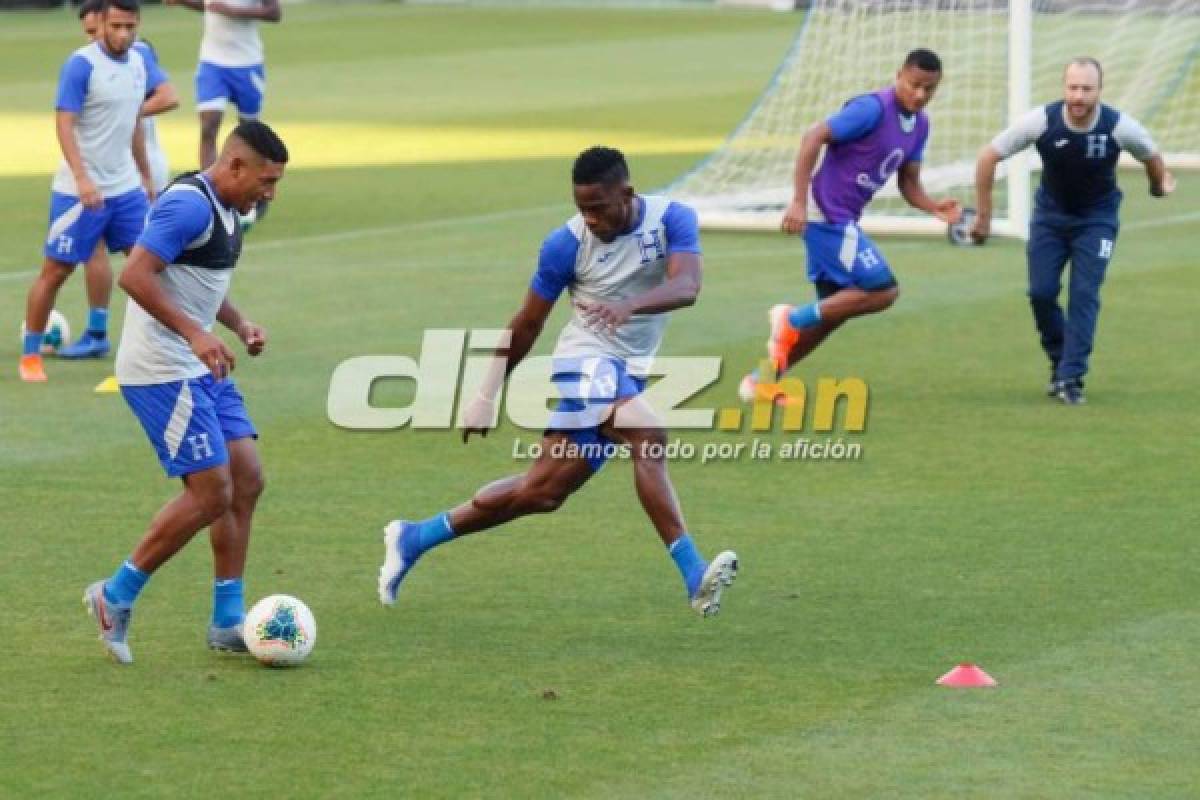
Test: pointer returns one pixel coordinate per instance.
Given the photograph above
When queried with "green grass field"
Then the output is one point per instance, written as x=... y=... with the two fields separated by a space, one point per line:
x=557 y=658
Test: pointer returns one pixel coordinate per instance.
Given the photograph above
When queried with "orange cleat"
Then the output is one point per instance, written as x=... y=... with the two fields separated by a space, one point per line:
x=31 y=369
x=783 y=336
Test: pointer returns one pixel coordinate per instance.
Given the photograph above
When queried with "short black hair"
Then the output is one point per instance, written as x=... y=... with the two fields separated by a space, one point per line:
x=134 y=6
x=923 y=59
x=262 y=140
x=599 y=165
x=90 y=7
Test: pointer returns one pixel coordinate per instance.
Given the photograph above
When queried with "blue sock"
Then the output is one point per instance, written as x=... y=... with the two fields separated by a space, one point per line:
x=808 y=316
x=31 y=344
x=687 y=558
x=97 y=325
x=229 y=607
x=125 y=585
x=430 y=533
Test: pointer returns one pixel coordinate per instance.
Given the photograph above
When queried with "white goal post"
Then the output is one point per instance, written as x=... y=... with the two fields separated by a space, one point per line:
x=1001 y=57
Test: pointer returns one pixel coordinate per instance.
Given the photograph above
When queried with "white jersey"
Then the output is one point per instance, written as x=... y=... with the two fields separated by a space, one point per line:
x=632 y=264
x=231 y=42
x=106 y=94
x=200 y=239
x=159 y=169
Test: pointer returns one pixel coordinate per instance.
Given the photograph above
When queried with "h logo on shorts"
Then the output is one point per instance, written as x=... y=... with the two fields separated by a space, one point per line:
x=1097 y=145
x=201 y=449
x=868 y=258
x=1106 y=248
x=65 y=243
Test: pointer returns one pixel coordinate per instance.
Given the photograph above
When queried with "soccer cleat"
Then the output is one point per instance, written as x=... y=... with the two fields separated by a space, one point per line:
x=1070 y=392
x=113 y=622
x=748 y=388
x=227 y=640
x=31 y=369
x=783 y=336
x=395 y=564
x=751 y=391
x=87 y=346
x=719 y=573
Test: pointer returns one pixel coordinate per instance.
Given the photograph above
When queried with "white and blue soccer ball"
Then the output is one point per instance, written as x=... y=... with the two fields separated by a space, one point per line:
x=56 y=336
x=280 y=631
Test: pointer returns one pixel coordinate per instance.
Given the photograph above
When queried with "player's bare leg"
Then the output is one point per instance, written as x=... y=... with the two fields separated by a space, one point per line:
x=98 y=277
x=206 y=496
x=38 y=304
x=542 y=489
x=210 y=126
x=230 y=538
x=635 y=424
x=98 y=280
x=836 y=309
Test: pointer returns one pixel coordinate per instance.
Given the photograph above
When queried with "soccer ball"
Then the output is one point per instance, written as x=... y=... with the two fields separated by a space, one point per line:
x=280 y=631
x=57 y=333
x=960 y=232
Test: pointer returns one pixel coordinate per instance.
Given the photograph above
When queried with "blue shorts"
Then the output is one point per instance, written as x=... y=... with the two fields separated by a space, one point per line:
x=189 y=422
x=216 y=86
x=74 y=229
x=589 y=386
x=845 y=256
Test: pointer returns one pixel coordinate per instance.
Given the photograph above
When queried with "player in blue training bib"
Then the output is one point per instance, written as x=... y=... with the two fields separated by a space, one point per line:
x=1075 y=213
x=626 y=260
x=174 y=374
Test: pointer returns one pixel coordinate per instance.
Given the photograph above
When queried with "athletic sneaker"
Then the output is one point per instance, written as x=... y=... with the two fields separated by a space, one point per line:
x=87 y=346
x=706 y=599
x=395 y=564
x=783 y=336
x=1070 y=392
x=31 y=369
x=112 y=621
x=751 y=391
x=228 y=640
x=1052 y=386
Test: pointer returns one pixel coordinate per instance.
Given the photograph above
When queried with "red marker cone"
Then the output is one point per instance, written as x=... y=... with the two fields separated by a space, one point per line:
x=966 y=676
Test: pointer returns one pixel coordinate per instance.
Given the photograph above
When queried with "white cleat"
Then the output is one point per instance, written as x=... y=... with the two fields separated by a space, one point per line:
x=748 y=389
x=720 y=573
x=112 y=622
x=394 y=566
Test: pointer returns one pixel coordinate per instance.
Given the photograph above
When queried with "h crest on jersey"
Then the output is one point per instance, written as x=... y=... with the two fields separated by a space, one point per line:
x=651 y=246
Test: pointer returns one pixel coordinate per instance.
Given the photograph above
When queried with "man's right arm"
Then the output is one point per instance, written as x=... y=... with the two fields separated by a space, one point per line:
x=523 y=331
x=1007 y=143
x=64 y=126
x=855 y=120
x=194 y=5
x=72 y=92
x=555 y=270
x=796 y=216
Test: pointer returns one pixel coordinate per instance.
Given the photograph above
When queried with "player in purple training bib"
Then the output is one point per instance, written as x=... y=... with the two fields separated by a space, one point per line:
x=873 y=137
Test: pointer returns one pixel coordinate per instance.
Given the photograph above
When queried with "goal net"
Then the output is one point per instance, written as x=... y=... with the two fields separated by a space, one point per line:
x=1001 y=57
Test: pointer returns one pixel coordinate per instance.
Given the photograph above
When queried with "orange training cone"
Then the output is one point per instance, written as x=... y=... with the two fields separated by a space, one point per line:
x=966 y=676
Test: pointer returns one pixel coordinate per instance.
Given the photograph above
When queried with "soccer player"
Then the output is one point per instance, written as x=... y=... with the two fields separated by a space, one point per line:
x=1075 y=212
x=626 y=259
x=231 y=63
x=871 y=138
x=97 y=270
x=100 y=191
x=174 y=374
